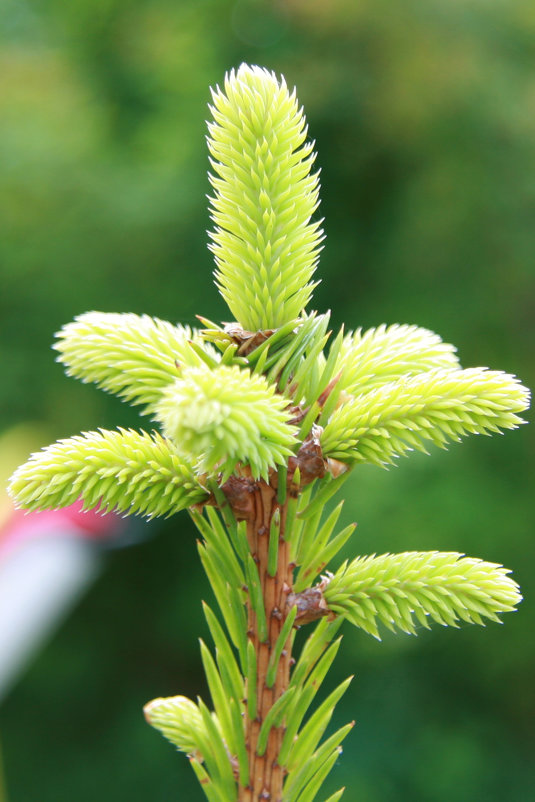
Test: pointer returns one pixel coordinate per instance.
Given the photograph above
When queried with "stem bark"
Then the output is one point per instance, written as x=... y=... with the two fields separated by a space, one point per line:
x=266 y=775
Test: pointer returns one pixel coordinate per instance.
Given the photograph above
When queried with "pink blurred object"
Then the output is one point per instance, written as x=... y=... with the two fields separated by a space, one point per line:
x=47 y=560
x=22 y=525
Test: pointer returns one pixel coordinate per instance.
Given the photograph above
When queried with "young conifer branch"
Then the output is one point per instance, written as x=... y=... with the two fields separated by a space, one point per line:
x=224 y=416
x=381 y=355
x=436 y=406
x=123 y=471
x=130 y=355
x=265 y=245
x=410 y=589
x=261 y=421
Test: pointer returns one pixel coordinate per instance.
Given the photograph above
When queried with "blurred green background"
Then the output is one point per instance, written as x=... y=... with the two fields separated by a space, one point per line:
x=423 y=114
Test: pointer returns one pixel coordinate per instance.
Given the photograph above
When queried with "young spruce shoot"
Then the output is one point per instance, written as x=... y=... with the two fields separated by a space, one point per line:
x=259 y=423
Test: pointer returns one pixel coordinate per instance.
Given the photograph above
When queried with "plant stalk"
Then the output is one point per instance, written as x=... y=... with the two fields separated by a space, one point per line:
x=266 y=775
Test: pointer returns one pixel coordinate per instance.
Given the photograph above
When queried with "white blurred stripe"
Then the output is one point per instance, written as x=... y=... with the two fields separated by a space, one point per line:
x=40 y=581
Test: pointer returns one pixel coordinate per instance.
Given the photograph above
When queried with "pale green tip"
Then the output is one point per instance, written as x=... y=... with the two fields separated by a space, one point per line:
x=224 y=416
x=435 y=407
x=404 y=590
x=265 y=245
x=126 y=471
x=179 y=720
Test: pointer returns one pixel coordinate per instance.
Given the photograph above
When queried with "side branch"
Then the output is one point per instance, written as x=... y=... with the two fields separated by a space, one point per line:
x=310 y=603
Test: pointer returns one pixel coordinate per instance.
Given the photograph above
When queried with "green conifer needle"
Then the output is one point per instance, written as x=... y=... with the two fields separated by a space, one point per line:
x=126 y=471
x=401 y=590
x=225 y=416
x=133 y=356
x=265 y=245
x=437 y=407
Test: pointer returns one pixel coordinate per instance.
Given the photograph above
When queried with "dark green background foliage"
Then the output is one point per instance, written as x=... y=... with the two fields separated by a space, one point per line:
x=424 y=118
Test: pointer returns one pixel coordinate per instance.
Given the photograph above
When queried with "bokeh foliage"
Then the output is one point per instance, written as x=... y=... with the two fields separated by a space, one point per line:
x=423 y=116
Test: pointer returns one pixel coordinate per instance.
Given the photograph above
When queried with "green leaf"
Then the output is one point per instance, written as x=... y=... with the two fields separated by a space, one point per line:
x=435 y=407
x=230 y=605
x=309 y=333
x=133 y=356
x=126 y=471
x=191 y=728
x=243 y=757
x=273 y=549
x=294 y=753
x=395 y=589
x=303 y=774
x=308 y=421
x=265 y=245
x=337 y=796
x=319 y=672
x=278 y=343
x=242 y=544
x=217 y=540
x=328 y=382
x=252 y=680
x=314 y=786
x=326 y=489
x=299 y=363
x=321 y=537
x=226 y=661
x=225 y=533
x=309 y=689
x=219 y=698
x=218 y=761
x=237 y=532
x=314 y=646
x=315 y=373
x=256 y=599
x=282 y=476
x=305 y=531
x=205 y=358
x=212 y=793
x=273 y=719
x=318 y=562
x=284 y=634
x=294 y=526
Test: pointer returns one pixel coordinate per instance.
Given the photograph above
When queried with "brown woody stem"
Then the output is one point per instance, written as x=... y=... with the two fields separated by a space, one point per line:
x=256 y=503
x=266 y=776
